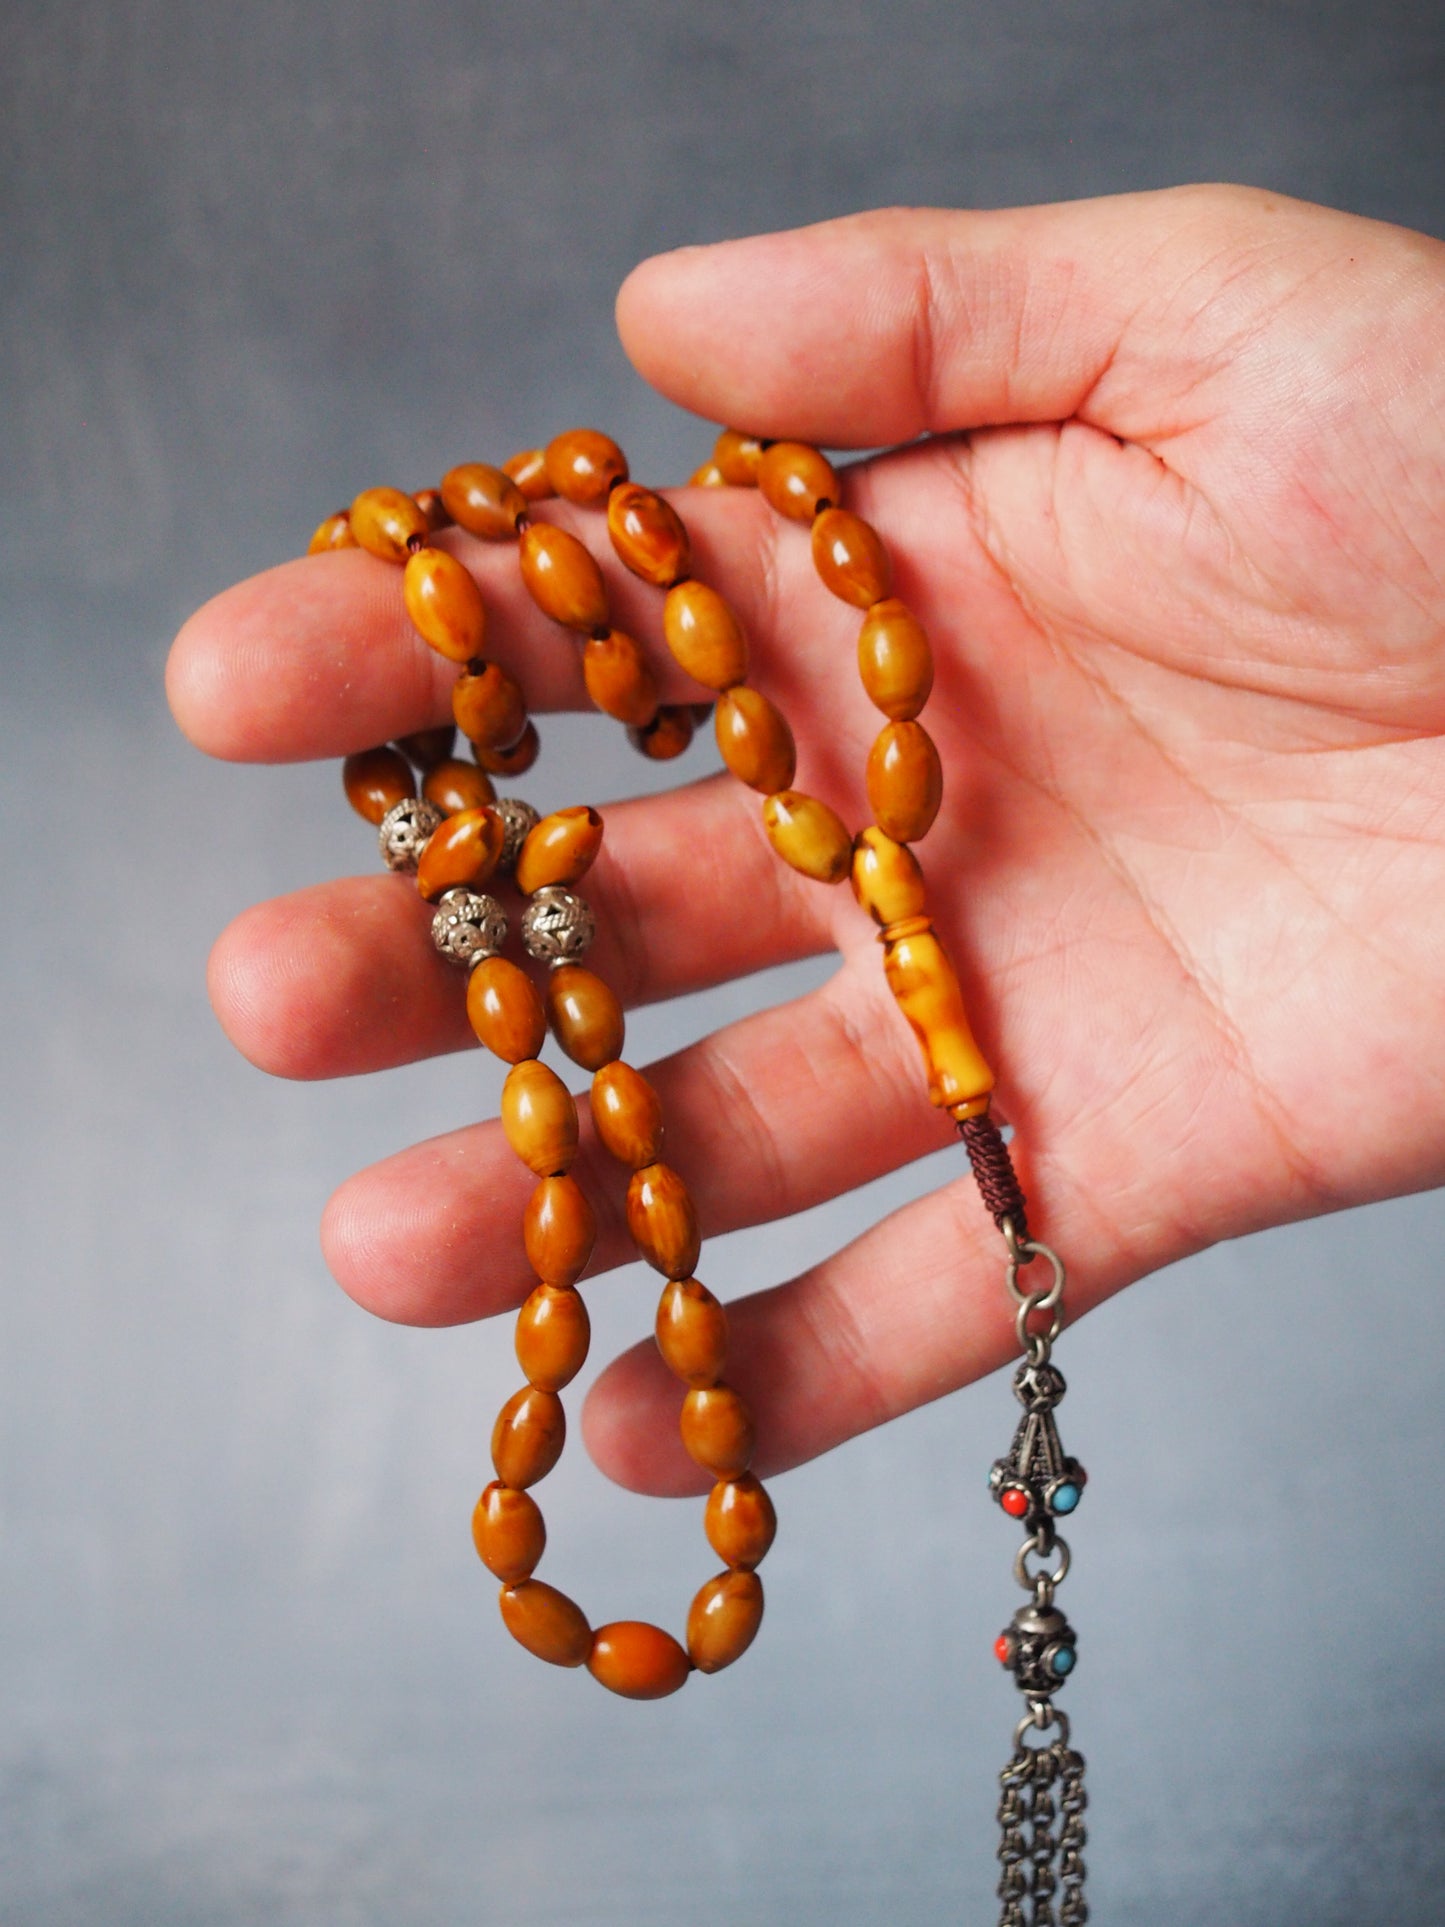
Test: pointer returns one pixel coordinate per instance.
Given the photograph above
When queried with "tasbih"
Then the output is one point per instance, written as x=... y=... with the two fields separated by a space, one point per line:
x=456 y=836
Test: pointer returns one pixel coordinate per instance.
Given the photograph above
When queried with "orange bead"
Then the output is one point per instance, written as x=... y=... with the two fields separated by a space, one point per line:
x=886 y=878
x=508 y=1533
x=333 y=533
x=428 y=747
x=692 y=1332
x=755 y=740
x=559 y=1230
x=717 y=1430
x=796 y=480
x=553 y=1333
x=704 y=635
x=808 y=835
x=628 y=1114
x=905 y=781
x=740 y=1522
x=562 y=577
x=445 y=604
x=619 y=678
x=528 y=1437
x=666 y=736
x=639 y=1661
x=385 y=522
x=546 y=1622
x=708 y=476
x=376 y=780
x=539 y=1116
x=489 y=706
x=583 y=464
x=895 y=662
x=429 y=501
x=923 y=981
x=504 y=1010
x=559 y=849
x=454 y=785
x=483 y=500
x=528 y=469
x=648 y=535
x=723 y=1620
x=513 y=761
x=461 y=854
x=662 y=1221
x=849 y=555
x=738 y=457
x=585 y=1015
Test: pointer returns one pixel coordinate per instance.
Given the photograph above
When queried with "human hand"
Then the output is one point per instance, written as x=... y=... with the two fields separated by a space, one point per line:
x=1185 y=588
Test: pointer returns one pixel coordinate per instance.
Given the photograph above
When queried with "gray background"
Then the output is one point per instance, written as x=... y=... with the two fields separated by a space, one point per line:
x=249 y=1669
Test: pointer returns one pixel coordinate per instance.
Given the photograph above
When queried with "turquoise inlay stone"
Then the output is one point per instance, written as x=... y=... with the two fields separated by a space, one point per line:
x=1063 y=1660
x=1066 y=1498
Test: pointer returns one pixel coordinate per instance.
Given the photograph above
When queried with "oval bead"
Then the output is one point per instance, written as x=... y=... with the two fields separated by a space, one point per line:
x=539 y=1116
x=886 y=878
x=513 y=761
x=796 y=480
x=849 y=555
x=462 y=852
x=489 y=706
x=562 y=577
x=692 y=1332
x=755 y=740
x=808 y=835
x=508 y=1533
x=905 y=781
x=648 y=534
x=704 y=635
x=737 y=456
x=717 y=1430
x=333 y=533
x=553 y=1333
x=585 y=1016
x=619 y=678
x=723 y=1620
x=559 y=849
x=528 y=469
x=559 y=1230
x=740 y=1522
x=429 y=501
x=445 y=604
x=662 y=1221
x=504 y=1010
x=528 y=1437
x=895 y=663
x=454 y=785
x=428 y=747
x=376 y=780
x=546 y=1622
x=639 y=1661
x=628 y=1114
x=709 y=475
x=582 y=465
x=483 y=500
x=384 y=521
x=927 y=992
x=666 y=736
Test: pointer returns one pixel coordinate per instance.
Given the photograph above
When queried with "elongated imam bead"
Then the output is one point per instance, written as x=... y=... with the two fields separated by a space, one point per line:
x=723 y=1620
x=583 y=464
x=562 y=577
x=384 y=521
x=648 y=535
x=923 y=981
x=639 y=1661
x=483 y=500
x=539 y=1116
x=619 y=678
x=755 y=740
x=850 y=557
x=508 y=1532
x=376 y=780
x=808 y=835
x=560 y=849
x=505 y=1011
x=585 y=1015
x=740 y=1522
x=886 y=878
x=528 y=1437
x=662 y=1221
x=704 y=635
x=628 y=1114
x=445 y=604
x=454 y=785
x=489 y=706
x=905 y=781
x=553 y=1333
x=717 y=1430
x=796 y=480
x=546 y=1622
x=895 y=663
x=692 y=1332
x=463 y=851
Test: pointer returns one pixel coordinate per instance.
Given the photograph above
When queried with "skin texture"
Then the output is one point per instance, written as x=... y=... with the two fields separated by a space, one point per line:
x=1179 y=543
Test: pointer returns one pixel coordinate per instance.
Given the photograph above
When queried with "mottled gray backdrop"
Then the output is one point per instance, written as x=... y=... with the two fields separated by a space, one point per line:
x=249 y=1669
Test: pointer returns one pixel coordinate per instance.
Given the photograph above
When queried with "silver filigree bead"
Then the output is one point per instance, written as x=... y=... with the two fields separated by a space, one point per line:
x=520 y=820
x=468 y=926
x=404 y=831
x=557 y=925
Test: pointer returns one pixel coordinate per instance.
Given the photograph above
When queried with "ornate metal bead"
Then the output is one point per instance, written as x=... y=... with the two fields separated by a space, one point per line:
x=468 y=927
x=520 y=820
x=1039 y=1649
x=557 y=925
x=1036 y=1479
x=404 y=831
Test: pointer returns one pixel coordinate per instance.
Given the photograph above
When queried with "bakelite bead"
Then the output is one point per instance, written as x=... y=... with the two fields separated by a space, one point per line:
x=505 y=1011
x=755 y=740
x=895 y=663
x=692 y=1332
x=708 y=476
x=704 y=635
x=737 y=456
x=639 y=1661
x=553 y=1333
x=384 y=522
x=489 y=706
x=886 y=878
x=717 y=1430
x=445 y=604
x=376 y=780
x=723 y=1620
x=333 y=533
x=528 y=1437
x=628 y=1114
x=429 y=501
x=585 y=1015
x=546 y=1622
x=808 y=835
x=583 y=464
x=454 y=785
x=850 y=557
x=796 y=480
x=463 y=852
x=619 y=678
x=483 y=500
x=648 y=535
x=428 y=747
x=559 y=849
x=740 y=1522
x=528 y=469
x=562 y=577
x=922 y=980
x=559 y=1230
x=513 y=761
x=539 y=1116
x=905 y=781
x=666 y=736
x=662 y=1221
x=508 y=1533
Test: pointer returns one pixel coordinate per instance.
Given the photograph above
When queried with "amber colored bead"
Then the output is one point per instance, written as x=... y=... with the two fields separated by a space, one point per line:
x=454 y=785
x=463 y=852
x=619 y=678
x=717 y=1430
x=513 y=761
x=508 y=1532
x=639 y=1661
x=704 y=635
x=708 y=476
x=662 y=1221
x=559 y=849
x=849 y=555
x=796 y=480
x=666 y=736
x=385 y=522
x=740 y=1522
x=905 y=781
x=692 y=1332
x=582 y=465
x=585 y=1015
x=562 y=577
x=539 y=1116
x=333 y=533
x=489 y=706
x=723 y=1620
x=428 y=747
x=895 y=662
x=528 y=1437
x=755 y=740
x=483 y=500
x=445 y=604
x=504 y=1010
x=628 y=1114
x=886 y=878
x=528 y=469
x=546 y=1622
x=738 y=456
x=559 y=1230
x=376 y=780
x=648 y=535
x=429 y=501
x=923 y=981
x=808 y=835
x=553 y=1333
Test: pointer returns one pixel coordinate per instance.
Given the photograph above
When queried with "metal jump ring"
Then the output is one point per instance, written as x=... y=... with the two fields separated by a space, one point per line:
x=1021 y=1250
x=1053 y=1716
x=1028 y=1580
